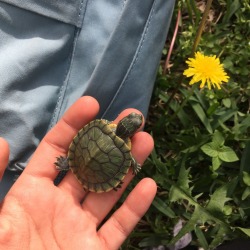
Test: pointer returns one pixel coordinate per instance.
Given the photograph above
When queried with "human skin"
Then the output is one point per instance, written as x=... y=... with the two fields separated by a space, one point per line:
x=36 y=214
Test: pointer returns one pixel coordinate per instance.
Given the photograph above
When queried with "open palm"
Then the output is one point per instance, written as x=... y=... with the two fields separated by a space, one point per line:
x=36 y=214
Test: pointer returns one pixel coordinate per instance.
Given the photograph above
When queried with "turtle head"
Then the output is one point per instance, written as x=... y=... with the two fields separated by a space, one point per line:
x=128 y=125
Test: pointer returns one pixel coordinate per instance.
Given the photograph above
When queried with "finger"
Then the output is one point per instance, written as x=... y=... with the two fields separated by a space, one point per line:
x=58 y=139
x=123 y=221
x=69 y=183
x=4 y=156
x=142 y=145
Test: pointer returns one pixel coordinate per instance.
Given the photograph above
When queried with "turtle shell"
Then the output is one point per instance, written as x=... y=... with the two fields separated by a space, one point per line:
x=98 y=157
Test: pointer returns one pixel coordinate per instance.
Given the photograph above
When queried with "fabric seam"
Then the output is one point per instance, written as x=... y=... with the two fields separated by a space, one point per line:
x=63 y=88
x=80 y=13
x=135 y=59
x=124 y=2
x=58 y=18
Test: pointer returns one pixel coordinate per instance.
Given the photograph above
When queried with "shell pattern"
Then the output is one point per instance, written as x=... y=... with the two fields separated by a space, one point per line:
x=98 y=157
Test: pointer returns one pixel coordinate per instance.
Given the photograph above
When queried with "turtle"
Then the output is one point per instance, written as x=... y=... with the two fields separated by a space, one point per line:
x=100 y=153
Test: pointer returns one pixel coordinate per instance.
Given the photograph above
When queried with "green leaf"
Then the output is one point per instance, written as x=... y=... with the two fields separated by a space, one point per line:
x=232 y=8
x=214 y=211
x=218 y=139
x=227 y=210
x=163 y=208
x=161 y=167
x=246 y=193
x=245 y=230
x=211 y=110
x=183 y=180
x=201 y=98
x=216 y=149
x=200 y=216
x=216 y=162
x=218 y=200
x=227 y=154
x=202 y=115
x=210 y=149
x=222 y=118
x=227 y=102
x=201 y=237
x=245 y=160
x=183 y=117
x=246 y=178
x=152 y=240
x=182 y=188
x=245 y=124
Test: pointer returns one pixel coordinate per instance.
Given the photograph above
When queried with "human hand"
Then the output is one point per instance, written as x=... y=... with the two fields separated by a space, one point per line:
x=36 y=214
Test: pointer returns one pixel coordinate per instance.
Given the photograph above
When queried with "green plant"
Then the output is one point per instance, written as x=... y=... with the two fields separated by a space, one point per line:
x=201 y=160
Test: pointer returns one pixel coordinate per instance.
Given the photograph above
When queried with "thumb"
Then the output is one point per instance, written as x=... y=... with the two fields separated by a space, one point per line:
x=4 y=156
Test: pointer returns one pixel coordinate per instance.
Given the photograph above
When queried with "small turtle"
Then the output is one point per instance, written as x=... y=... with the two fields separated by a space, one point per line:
x=100 y=153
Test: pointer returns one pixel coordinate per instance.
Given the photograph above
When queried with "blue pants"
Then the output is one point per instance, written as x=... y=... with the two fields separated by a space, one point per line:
x=53 y=52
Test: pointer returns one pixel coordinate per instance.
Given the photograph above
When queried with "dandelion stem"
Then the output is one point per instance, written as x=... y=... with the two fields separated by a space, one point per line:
x=172 y=42
x=201 y=26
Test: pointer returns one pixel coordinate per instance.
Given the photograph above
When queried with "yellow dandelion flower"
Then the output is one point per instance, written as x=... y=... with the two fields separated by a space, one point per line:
x=206 y=69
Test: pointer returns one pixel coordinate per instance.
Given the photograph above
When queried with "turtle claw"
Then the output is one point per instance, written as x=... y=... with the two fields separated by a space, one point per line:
x=136 y=167
x=118 y=186
x=62 y=163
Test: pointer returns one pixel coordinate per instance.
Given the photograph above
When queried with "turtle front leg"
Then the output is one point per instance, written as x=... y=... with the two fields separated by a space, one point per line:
x=62 y=163
x=135 y=166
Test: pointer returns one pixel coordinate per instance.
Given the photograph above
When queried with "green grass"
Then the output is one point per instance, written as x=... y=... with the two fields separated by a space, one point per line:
x=201 y=160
